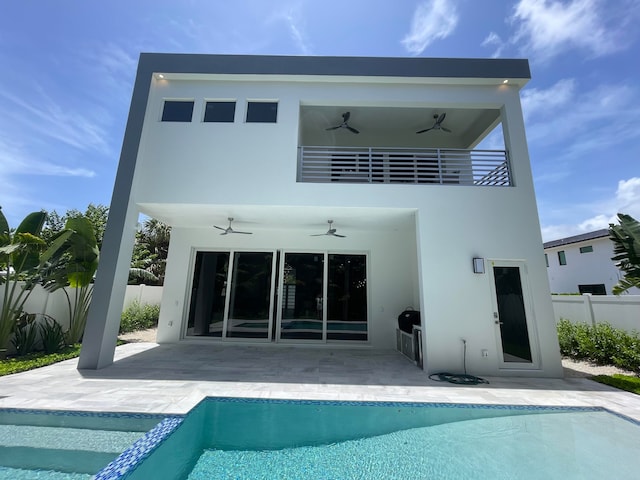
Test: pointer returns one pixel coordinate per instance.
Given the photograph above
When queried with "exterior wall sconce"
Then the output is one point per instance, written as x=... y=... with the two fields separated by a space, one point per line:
x=478 y=265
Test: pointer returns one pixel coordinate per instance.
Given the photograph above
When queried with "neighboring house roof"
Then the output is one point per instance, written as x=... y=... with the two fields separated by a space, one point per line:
x=577 y=238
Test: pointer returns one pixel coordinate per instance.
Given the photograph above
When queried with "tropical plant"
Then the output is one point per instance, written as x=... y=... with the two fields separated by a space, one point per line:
x=52 y=335
x=149 y=259
x=97 y=215
x=139 y=317
x=25 y=334
x=626 y=250
x=19 y=268
x=72 y=262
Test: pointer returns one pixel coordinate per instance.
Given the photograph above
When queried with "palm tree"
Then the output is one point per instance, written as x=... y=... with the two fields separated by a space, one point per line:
x=626 y=249
x=19 y=268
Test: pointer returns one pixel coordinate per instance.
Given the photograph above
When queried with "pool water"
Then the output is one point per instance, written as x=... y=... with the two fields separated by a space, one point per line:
x=226 y=438
x=50 y=445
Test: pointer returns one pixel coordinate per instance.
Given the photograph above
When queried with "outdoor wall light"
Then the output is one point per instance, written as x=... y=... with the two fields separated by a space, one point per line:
x=478 y=265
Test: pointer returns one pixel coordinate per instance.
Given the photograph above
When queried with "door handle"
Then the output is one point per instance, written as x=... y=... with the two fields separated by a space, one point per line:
x=498 y=322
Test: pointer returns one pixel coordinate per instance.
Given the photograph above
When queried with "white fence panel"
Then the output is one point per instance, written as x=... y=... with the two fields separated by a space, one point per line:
x=621 y=312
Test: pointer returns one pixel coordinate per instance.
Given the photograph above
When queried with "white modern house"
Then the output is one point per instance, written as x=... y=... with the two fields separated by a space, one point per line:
x=582 y=264
x=313 y=199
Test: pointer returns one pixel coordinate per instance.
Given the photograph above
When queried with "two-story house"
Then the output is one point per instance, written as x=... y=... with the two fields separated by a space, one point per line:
x=582 y=264
x=312 y=199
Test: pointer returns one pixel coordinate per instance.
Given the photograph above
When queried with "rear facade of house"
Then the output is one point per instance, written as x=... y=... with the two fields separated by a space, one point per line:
x=307 y=210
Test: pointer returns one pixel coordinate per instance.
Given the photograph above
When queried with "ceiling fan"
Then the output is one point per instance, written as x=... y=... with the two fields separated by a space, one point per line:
x=331 y=232
x=437 y=125
x=228 y=230
x=344 y=124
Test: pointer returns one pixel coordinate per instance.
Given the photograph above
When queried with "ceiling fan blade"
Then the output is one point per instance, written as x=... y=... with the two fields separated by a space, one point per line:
x=338 y=235
x=334 y=128
x=318 y=235
x=220 y=228
x=244 y=233
x=351 y=129
x=425 y=130
x=441 y=118
x=345 y=116
x=445 y=129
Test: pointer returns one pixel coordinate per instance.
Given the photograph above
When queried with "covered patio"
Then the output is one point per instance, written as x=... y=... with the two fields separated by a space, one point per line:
x=147 y=377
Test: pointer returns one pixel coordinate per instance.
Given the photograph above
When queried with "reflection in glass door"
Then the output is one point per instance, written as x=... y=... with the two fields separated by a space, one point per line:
x=347 y=297
x=302 y=312
x=511 y=316
x=208 y=294
x=251 y=295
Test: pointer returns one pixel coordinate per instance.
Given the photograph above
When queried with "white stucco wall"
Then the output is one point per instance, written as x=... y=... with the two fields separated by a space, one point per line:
x=583 y=268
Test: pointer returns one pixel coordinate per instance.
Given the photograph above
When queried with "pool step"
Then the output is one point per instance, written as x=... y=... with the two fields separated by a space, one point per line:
x=61 y=448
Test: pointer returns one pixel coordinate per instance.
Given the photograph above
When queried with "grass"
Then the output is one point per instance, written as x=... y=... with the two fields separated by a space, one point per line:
x=629 y=383
x=40 y=359
x=36 y=360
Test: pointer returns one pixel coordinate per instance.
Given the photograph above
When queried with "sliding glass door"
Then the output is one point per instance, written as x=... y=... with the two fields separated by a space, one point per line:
x=301 y=311
x=321 y=296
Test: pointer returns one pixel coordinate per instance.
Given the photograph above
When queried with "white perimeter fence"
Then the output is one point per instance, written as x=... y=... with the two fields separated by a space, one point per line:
x=55 y=304
x=621 y=312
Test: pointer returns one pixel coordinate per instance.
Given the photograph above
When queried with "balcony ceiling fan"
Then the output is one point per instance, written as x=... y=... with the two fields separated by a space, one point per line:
x=229 y=230
x=437 y=125
x=344 y=124
x=331 y=232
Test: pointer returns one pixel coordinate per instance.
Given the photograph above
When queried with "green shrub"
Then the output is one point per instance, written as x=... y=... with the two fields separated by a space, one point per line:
x=52 y=335
x=600 y=343
x=36 y=360
x=139 y=317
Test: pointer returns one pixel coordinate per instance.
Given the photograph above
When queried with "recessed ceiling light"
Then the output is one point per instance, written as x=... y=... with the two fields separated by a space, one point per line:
x=160 y=75
x=505 y=80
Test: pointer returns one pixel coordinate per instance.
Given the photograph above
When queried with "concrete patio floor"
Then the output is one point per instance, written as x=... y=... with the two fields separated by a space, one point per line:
x=173 y=378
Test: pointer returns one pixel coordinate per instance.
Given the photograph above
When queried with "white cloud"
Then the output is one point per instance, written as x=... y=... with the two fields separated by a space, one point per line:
x=581 y=121
x=493 y=39
x=432 y=20
x=625 y=200
x=548 y=28
x=294 y=20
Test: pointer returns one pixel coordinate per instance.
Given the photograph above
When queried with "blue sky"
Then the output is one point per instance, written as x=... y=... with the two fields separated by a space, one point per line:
x=69 y=66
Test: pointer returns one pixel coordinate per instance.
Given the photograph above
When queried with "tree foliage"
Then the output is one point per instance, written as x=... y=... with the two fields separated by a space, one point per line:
x=626 y=250
x=96 y=214
x=149 y=259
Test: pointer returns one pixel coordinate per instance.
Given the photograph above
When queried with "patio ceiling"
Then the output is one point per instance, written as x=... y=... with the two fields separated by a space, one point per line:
x=468 y=126
x=259 y=217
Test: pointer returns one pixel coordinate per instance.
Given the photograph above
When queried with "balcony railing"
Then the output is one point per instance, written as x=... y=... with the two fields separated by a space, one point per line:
x=404 y=165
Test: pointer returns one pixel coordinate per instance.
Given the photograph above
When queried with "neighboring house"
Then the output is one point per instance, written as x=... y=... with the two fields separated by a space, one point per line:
x=284 y=146
x=582 y=264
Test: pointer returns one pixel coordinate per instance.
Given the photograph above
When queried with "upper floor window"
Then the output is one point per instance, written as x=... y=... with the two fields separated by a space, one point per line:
x=587 y=249
x=562 y=257
x=262 y=112
x=177 y=111
x=546 y=259
x=220 y=112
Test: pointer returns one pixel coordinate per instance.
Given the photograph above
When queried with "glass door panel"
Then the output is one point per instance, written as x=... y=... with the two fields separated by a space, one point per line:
x=208 y=294
x=511 y=316
x=250 y=295
x=347 y=297
x=302 y=312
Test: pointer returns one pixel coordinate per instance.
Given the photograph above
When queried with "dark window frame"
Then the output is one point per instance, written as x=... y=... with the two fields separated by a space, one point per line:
x=176 y=111
x=586 y=249
x=261 y=111
x=225 y=114
x=562 y=257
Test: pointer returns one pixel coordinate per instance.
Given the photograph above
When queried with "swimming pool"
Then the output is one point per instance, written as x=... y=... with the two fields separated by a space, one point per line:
x=68 y=445
x=249 y=438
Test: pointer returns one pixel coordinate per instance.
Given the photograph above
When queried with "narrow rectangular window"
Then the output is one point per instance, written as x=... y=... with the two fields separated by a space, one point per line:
x=587 y=249
x=177 y=111
x=262 y=112
x=220 y=112
x=562 y=257
x=546 y=259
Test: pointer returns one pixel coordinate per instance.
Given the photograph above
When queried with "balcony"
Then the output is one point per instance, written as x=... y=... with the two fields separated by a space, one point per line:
x=436 y=166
